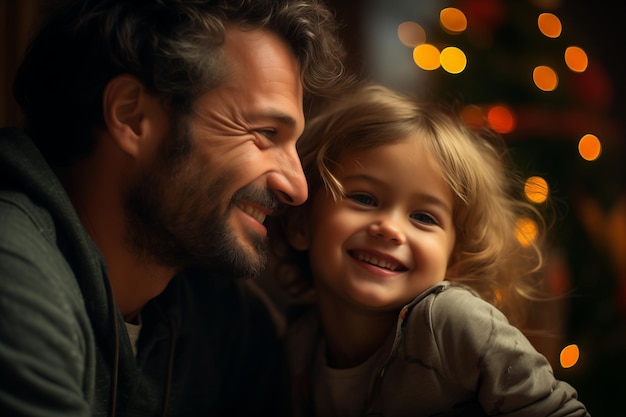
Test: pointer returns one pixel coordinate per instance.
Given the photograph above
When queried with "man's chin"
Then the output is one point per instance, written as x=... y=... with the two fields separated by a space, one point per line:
x=240 y=261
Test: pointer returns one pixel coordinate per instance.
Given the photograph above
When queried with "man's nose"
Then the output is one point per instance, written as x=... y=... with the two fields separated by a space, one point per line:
x=288 y=181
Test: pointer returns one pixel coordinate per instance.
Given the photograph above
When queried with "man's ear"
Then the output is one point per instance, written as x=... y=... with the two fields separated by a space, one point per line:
x=125 y=103
x=297 y=227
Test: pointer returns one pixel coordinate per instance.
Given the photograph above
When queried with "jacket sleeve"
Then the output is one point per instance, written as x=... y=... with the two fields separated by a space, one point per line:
x=484 y=352
x=42 y=339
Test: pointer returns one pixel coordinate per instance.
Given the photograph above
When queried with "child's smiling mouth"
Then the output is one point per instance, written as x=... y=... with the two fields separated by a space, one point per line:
x=377 y=260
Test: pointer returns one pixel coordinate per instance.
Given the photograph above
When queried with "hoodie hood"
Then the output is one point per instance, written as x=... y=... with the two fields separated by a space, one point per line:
x=23 y=170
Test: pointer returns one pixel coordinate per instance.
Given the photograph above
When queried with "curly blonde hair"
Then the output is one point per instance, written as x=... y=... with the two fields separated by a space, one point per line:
x=488 y=255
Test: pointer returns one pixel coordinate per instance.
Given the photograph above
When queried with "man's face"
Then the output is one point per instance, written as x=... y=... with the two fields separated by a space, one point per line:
x=232 y=162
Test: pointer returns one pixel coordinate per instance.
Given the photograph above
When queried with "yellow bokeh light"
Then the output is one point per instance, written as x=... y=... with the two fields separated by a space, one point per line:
x=453 y=60
x=589 y=147
x=576 y=59
x=501 y=119
x=549 y=25
x=545 y=78
x=426 y=56
x=526 y=231
x=569 y=356
x=453 y=20
x=536 y=189
x=411 y=34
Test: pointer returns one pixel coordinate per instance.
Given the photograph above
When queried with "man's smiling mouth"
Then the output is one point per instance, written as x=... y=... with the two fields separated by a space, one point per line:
x=253 y=211
x=376 y=261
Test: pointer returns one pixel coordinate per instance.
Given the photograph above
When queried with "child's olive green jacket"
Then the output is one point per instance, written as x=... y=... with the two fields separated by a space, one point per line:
x=452 y=354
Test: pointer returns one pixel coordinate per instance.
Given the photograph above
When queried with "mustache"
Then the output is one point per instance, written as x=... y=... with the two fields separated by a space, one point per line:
x=260 y=196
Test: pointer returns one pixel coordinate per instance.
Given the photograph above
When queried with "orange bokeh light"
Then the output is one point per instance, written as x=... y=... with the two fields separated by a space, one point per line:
x=411 y=34
x=569 y=356
x=501 y=119
x=589 y=147
x=473 y=117
x=526 y=231
x=453 y=20
x=576 y=59
x=453 y=60
x=427 y=56
x=545 y=78
x=549 y=25
x=536 y=189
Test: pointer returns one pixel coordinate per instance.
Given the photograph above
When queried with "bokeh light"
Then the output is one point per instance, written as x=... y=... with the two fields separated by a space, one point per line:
x=526 y=231
x=589 y=147
x=453 y=20
x=473 y=116
x=501 y=119
x=453 y=60
x=411 y=34
x=576 y=59
x=549 y=25
x=545 y=78
x=426 y=56
x=536 y=189
x=569 y=356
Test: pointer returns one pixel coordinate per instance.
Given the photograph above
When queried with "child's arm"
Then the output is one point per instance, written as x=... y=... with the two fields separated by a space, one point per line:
x=484 y=353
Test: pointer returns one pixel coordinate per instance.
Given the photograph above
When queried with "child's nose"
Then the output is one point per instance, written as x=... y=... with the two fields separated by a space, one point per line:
x=388 y=229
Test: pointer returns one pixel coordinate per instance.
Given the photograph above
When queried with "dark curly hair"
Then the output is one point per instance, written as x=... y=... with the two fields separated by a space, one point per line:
x=171 y=46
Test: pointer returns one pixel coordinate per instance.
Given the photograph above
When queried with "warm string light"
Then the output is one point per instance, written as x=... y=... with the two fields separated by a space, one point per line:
x=569 y=356
x=411 y=34
x=550 y=25
x=576 y=59
x=536 y=189
x=427 y=56
x=589 y=147
x=452 y=20
x=545 y=78
x=526 y=231
x=453 y=60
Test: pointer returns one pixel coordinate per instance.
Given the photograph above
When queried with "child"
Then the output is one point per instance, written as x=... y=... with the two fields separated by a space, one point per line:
x=408 y=239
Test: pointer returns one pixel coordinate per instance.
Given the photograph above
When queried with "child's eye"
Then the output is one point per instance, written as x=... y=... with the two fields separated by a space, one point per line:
x=364 y=199
x=424 y=218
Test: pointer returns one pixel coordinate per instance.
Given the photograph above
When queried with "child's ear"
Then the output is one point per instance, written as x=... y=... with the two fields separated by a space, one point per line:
x=297 y=227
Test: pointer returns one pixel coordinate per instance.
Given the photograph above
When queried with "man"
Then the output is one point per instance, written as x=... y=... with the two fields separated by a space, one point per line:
x=159 y=135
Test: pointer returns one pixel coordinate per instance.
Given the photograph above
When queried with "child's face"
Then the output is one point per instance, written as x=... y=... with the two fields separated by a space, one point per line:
x=392 y=235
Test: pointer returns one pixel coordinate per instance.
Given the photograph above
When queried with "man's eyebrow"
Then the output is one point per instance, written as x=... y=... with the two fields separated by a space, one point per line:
x=277 y=115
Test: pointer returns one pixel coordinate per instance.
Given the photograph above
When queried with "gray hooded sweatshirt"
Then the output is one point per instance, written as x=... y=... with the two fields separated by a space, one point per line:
x=207 y=347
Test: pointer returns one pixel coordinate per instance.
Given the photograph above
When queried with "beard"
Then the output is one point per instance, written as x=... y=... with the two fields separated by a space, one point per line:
x=175 y=218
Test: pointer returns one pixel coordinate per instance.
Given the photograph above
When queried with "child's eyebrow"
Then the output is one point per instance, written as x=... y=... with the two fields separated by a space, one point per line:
x=363 y=177
x=426 y=197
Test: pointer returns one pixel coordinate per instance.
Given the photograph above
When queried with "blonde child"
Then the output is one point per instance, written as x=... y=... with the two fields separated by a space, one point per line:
x=408 y=243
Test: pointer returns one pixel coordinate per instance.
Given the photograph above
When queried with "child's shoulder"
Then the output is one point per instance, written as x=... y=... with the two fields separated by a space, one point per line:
x=453 y=321
x=460 y=304
x=451 y=310
x=449 y=298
